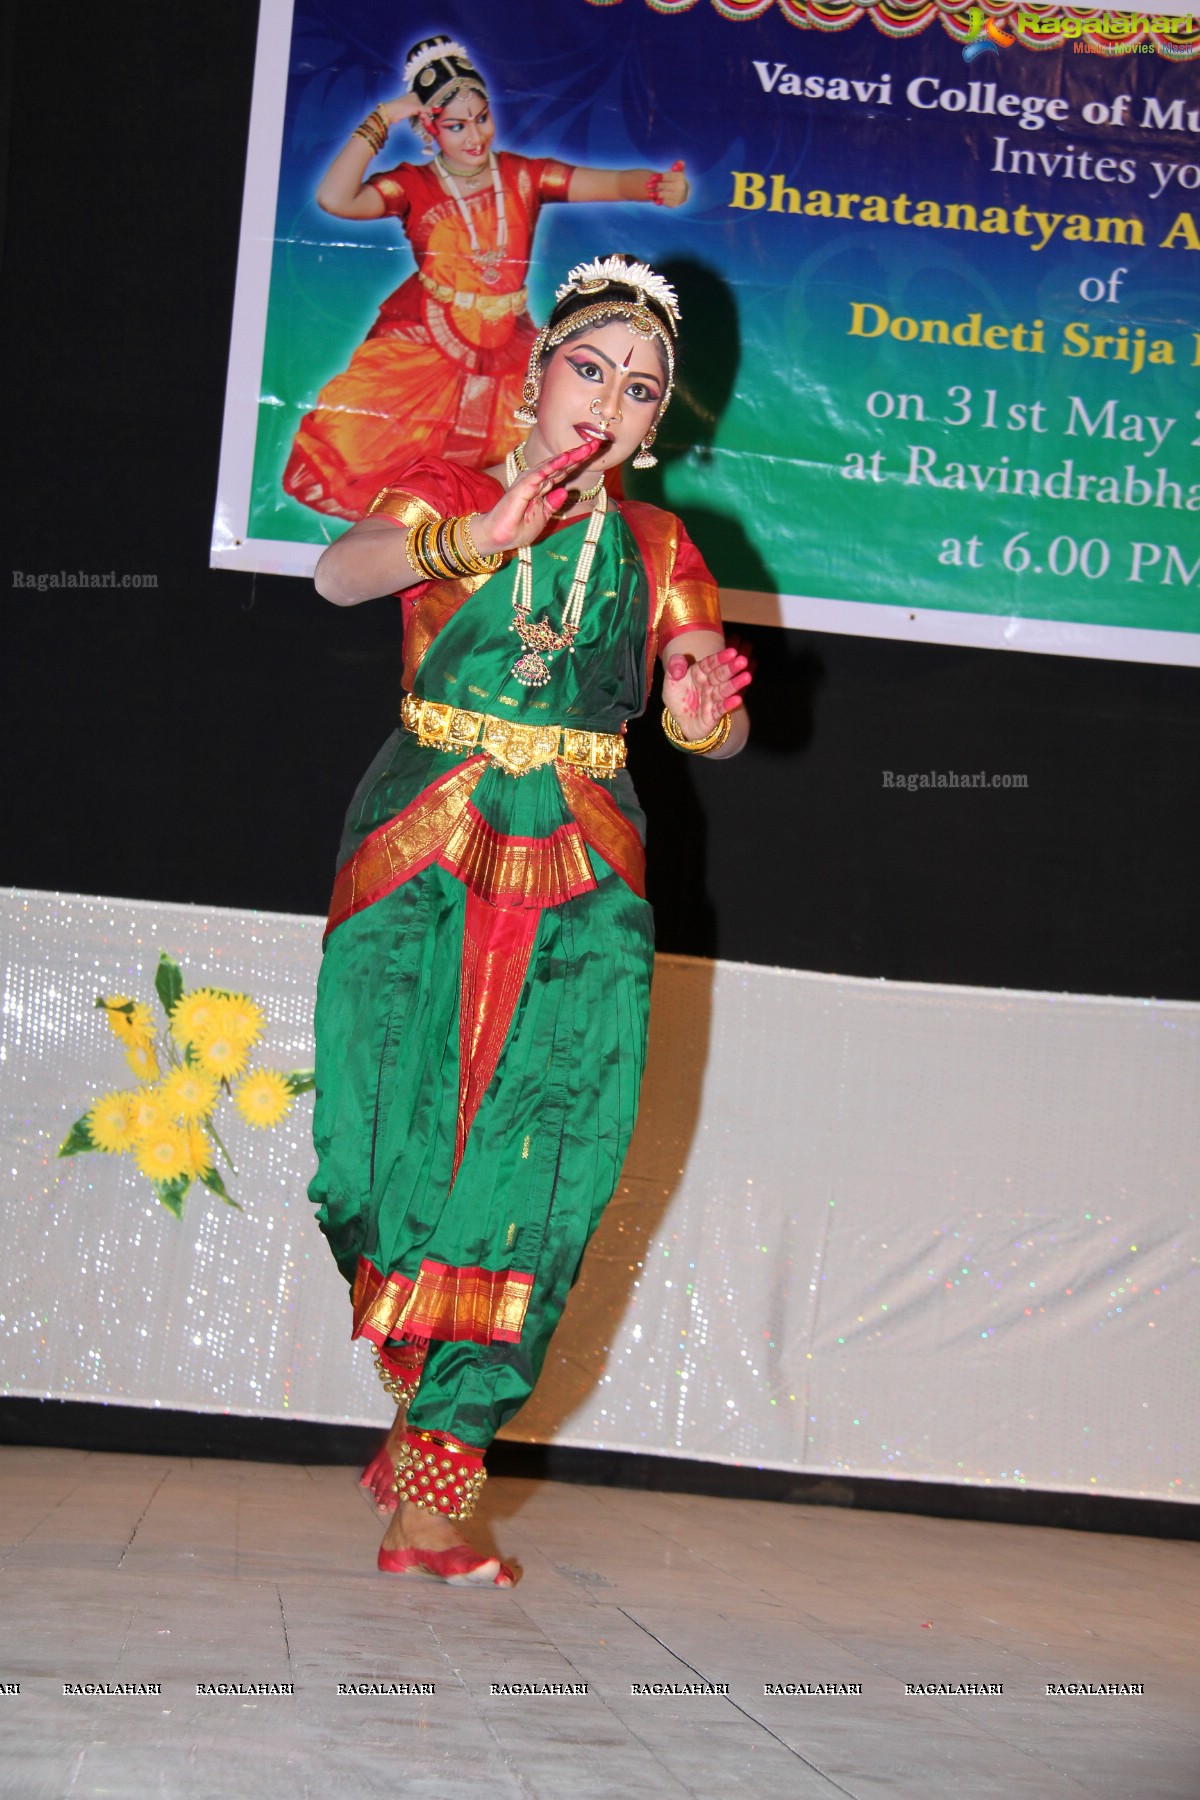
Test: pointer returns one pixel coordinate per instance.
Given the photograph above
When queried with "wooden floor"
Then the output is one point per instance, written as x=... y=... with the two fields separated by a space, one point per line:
x=140 y=1569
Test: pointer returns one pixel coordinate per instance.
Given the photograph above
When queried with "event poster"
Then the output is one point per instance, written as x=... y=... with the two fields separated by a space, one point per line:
x=939 y=277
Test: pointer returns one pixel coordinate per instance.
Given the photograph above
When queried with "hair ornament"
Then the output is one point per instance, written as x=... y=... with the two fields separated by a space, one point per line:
x=437 y=49
x=592 y=277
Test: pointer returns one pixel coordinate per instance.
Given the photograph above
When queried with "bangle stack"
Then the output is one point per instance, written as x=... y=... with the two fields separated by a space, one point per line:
x=374 y=129
x=698 y=746
x=444 y=550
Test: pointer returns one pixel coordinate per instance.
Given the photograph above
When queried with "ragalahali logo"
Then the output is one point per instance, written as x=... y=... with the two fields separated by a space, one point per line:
x=984 y=36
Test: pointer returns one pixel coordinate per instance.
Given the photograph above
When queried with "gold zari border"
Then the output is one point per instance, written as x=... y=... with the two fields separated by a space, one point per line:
x=480 y=1306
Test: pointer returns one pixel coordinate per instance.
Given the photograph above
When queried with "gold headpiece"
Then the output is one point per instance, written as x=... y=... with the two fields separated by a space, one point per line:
x=592 y=278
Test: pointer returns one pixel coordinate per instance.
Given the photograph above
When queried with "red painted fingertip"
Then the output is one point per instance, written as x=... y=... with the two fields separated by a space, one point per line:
x=676 y=167
x=677 y=668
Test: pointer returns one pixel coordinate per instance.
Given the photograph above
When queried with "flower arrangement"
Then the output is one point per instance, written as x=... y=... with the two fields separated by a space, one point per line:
x=183 y=1072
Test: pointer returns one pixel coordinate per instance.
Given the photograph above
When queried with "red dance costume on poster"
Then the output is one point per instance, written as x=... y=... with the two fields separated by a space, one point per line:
x=441 y=370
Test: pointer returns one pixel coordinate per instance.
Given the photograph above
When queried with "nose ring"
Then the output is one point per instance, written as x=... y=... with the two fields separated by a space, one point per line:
x=598 y=409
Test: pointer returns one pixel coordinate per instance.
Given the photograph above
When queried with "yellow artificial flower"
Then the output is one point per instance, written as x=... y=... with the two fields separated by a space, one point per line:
x=143 y=1062
x=241 y=1018
x=190 y=1093
x=147 y=1112
x=263 y=1098
x=110 y=1122
x=221 y=1054
x=200 y=1155
x=194 y=1013
x=134 y=1026
x=163 y=1154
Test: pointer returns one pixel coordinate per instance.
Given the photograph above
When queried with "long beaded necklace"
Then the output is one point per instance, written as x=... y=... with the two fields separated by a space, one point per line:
x=539 y=636
x=488 y=262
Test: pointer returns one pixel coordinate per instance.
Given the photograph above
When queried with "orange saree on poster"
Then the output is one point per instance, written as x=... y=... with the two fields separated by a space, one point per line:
x=442 y=368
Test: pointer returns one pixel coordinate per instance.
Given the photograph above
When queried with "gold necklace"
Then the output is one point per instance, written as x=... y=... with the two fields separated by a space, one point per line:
x=580 y=493
x=539 y=636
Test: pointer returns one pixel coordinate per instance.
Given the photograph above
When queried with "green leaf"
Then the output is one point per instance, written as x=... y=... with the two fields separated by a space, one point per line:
x=77 y=1139
x=168 y=982
x=171 y=1194
x=213 y=1180
x=102 y=1005
x=301 y=1081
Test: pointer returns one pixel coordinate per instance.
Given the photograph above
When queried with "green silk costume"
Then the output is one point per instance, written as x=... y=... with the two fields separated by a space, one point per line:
x=484 y=993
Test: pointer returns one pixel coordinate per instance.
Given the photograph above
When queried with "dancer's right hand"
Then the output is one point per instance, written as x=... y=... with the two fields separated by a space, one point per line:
x=536 y=497
x=409 y=107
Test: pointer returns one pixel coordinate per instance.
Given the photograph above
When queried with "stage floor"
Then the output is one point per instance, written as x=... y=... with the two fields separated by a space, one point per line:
x=144 y=1569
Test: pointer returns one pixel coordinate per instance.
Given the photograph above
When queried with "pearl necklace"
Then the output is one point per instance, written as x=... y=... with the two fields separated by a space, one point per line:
x=539 y=637
x=488 y=261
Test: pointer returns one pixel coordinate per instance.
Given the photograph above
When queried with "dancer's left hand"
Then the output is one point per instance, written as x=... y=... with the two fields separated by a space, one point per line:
x=697 y=694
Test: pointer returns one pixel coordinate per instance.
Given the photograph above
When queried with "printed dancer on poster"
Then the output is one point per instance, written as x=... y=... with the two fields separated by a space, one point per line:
x=442 y=366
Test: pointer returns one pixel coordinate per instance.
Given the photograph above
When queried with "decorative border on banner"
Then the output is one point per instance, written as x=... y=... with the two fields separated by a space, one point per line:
x=1033 y=27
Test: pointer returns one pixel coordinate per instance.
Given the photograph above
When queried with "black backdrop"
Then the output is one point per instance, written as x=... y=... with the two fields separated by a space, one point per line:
x=197 y=742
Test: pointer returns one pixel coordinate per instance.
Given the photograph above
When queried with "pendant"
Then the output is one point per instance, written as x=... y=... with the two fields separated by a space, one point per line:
x=530 y=670
x=489 y=266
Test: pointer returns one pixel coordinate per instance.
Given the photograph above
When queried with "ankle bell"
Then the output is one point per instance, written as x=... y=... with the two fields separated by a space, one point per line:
x=435 y=1471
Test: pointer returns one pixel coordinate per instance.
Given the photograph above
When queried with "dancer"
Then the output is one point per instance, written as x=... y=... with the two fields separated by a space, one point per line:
x=442 y=366
x=484 y=993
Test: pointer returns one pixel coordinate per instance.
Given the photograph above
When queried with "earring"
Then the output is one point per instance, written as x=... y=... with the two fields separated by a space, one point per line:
x=643 y=459
x=526 y=413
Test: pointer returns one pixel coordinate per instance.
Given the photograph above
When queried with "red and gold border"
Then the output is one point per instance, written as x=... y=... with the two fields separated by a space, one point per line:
x=443 y=826
x=479 y=1306
x=406 y=844
x=517 y=871
x=604 y=826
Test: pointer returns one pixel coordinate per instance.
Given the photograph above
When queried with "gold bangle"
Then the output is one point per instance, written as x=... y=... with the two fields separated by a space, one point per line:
x=484 y=564
x=421 y=553
x=444 y=550
x=435 y=554
x=374 y=128
x=697 y=746
x=411 y=550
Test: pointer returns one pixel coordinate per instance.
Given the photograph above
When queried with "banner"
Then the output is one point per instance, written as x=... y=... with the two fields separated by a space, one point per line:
x=939 y=279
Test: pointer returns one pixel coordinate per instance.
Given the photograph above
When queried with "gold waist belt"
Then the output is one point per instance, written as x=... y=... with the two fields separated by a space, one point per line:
x=516 y=748
x=488 y=306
